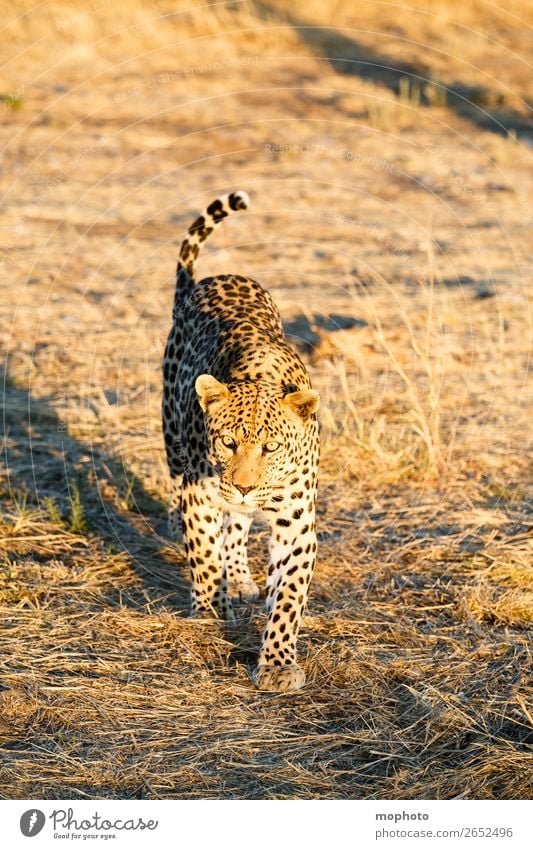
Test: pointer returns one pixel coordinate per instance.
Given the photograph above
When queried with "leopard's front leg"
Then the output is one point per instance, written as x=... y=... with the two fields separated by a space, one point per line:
x=292 y=560
x=203 y=535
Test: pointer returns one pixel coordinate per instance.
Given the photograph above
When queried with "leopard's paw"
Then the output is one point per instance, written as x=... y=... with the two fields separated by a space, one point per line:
x=279 y=679
x=244 y=590
x=228 y=614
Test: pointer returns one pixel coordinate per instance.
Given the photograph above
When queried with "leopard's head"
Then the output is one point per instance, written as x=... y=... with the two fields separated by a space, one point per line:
x=256 y=436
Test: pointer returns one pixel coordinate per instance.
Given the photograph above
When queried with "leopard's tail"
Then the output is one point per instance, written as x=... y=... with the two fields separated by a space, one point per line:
x=200 y=230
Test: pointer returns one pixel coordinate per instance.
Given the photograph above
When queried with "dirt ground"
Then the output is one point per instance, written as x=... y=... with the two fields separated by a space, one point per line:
x=387 y=154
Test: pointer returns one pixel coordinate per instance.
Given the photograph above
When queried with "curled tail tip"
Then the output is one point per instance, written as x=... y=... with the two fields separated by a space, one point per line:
x=239 y=200
x=198 y=232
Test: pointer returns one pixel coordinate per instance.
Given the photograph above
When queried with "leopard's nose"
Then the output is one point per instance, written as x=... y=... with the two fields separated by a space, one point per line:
x=243 y=489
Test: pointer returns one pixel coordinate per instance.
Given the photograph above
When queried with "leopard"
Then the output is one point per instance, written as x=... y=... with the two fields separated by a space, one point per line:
x=241 y=434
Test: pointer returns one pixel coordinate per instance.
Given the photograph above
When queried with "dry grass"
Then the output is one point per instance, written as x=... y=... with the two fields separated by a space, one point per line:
x=390 y=221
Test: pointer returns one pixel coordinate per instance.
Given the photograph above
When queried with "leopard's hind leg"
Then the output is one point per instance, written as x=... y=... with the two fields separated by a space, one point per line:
x=174 y=525
x=241 y=586
x=173 y=352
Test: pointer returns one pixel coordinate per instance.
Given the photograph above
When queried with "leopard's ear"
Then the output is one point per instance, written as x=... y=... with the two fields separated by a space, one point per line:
x=304 y=402
x=209 y=390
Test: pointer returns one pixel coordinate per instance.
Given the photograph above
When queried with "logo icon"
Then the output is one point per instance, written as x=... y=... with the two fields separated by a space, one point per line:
x=32 y=822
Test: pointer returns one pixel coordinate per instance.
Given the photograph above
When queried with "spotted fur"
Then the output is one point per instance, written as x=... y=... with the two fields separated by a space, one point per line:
x=241 y=435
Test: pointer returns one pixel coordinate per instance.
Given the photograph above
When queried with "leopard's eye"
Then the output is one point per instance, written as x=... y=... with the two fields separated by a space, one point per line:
x=270 y=447
x=228 y=442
